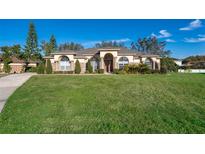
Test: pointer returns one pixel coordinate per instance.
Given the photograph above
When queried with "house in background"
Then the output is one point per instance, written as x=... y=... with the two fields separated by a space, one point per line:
x=17 y=65
x=178 y=61
x=106 y=59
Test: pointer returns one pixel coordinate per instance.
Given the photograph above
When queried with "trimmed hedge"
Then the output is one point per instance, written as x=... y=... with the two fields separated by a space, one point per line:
x=101 y=71
x=63 y=72
x=49 y=69
x=89 y=67
x=41 y=68
x=77 y=67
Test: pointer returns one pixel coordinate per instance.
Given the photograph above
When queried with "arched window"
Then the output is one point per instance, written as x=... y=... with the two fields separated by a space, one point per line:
x=148 y=62
x=122 y=62
x=64 y=63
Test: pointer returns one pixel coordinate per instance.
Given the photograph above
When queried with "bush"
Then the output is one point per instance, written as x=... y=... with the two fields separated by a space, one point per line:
x=155 y=71
x=41 y=68
x=163 y=69
x=126 y=68
x=122 y=72
x=7 y=68
x=143 y=69
x=77 y=67
x=89 y=67
x=116 y=71
x=168 y=65
x=136 y=68
x=101 y=71
x=49 y=69
x=30 y=69
x=63 y=72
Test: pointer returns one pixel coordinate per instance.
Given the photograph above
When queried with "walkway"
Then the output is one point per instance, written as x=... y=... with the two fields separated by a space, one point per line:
x=9 y=84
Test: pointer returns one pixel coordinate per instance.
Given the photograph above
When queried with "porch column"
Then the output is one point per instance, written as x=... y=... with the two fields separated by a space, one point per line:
x=153 y=65
x=115 y=63
x=159 y=67
x=57 y=67
x=101 y=63
x=72 y=65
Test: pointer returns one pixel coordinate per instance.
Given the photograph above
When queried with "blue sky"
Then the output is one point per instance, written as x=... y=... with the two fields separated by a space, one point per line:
x=184 y=37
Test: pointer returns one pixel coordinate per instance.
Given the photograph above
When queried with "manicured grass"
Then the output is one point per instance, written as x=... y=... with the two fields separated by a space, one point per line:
x=172 y=103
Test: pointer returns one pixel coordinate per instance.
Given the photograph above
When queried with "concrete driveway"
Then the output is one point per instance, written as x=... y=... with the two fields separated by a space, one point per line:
x=9 y=84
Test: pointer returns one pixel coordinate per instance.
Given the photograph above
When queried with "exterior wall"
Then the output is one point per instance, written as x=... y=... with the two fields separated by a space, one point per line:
x=103 y=53
x=136 y=60
x=82 y=64
x=56 y=65
x=1 y=67
x=16 y=68
x=191 y=71
x=55 y=61
x=155 y=62
x=178 y=62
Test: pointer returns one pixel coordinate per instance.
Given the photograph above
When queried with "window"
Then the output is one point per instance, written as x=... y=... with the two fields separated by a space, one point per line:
x=64 y=64
x=148 y=62
x=95 y=65
x=122 y=62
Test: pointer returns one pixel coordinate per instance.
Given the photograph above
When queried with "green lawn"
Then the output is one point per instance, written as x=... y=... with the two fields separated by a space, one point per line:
x=172 y=103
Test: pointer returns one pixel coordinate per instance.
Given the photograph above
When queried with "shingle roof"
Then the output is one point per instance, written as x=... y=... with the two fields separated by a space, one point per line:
x=92 y=51
x=64 y=52
x=18 y=60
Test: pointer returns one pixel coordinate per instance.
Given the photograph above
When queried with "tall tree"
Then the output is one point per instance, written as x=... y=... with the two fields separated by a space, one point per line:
x=32 y=51
x=53 y=44
x=109 y=44
x=71 y=46
x=151 y=45
x=49 y=47
x=6 y=56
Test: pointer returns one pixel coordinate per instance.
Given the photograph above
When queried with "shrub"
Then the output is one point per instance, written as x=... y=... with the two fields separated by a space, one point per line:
x=168 y=65
x=49 y=69
x=143 y=69
x=101 y=71
x=7 y=68
x=163 y=69
x=155 y=71
x=122 y=72
x=29 y=69
x=63 y=72
x=89 y=67
x=126 y=68
x=116 y=71
x=77 y=67
x=136 y=68
x=41 y=68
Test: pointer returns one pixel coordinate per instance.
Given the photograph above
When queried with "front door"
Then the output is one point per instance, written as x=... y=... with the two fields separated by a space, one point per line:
x=108 y=61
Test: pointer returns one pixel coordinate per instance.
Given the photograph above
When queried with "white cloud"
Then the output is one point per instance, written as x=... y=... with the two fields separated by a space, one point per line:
x=194 y=40
x=200 y=38
x=170 y=40
x=162 y=34
x=92 y=43
x=192 y=25
x=201 y=35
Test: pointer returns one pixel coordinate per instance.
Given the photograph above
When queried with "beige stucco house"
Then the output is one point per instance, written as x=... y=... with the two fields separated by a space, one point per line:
x=107 y=59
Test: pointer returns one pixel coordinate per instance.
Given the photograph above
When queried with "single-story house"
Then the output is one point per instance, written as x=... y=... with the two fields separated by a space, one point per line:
x=177 y=61
x=17 y=65
x=106 y=59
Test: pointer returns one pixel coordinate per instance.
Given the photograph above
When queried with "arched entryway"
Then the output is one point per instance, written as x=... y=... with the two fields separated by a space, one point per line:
x=108 y=61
